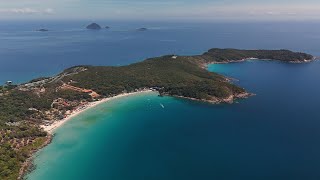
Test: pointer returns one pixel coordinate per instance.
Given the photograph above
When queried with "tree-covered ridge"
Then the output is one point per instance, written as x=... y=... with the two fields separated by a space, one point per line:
x=225 y=55
x=176 y=76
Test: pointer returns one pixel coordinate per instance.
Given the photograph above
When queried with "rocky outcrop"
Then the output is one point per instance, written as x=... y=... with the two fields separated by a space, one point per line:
x=142 y=29
x=42 y=30
x=94 y=26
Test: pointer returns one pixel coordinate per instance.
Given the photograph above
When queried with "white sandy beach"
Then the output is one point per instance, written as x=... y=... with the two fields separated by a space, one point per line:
x=50 y=128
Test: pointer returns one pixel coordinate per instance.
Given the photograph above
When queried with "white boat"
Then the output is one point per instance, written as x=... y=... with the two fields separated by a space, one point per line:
x=162 y=105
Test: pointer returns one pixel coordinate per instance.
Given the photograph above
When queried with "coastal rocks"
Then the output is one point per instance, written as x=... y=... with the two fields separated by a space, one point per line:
x=244 y=95
x=215 y=100
x=94 y=26
x=107 y=27
x=303 y=61
x=232 y=98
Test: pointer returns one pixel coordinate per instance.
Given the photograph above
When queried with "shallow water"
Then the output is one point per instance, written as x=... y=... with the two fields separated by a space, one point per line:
x=273 y=135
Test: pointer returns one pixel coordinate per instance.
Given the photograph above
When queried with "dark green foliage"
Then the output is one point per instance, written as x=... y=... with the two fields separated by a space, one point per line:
x=14 y=106
x=220 y=55
x=9 y=162
x=72 y=95
x=204 y=90
x=181 y=76
x=10 y=159
x=6 y=88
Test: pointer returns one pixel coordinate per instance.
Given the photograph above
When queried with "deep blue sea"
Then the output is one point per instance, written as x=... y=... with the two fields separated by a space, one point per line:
x=26 y=53
x=273 y=135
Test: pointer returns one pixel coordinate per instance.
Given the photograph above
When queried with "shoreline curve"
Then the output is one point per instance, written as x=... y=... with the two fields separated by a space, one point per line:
x=57 y=124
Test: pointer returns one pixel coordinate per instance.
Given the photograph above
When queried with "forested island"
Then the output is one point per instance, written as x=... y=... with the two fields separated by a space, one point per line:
x=24 y=108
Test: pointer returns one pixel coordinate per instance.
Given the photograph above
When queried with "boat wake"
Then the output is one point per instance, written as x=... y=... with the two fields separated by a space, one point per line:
x=162 y=105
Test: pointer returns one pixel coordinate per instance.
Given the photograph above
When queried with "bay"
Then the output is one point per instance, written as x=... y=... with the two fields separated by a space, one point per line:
x=273 y=135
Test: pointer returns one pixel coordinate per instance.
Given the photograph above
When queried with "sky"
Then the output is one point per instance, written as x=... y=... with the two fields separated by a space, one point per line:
x=161 y=9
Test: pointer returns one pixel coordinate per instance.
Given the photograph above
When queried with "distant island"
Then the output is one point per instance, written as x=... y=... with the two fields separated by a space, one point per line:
x=29 y=112
x=42 y=30
x=142 y=29
x=94 y=26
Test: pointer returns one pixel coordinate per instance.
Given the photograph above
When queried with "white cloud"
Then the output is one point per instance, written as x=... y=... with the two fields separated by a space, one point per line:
x=49 y=11
x=26 y=11
x=19 y=10
x=213 y=11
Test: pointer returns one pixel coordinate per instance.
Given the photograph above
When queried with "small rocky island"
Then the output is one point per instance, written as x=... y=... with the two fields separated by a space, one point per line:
x=107 y=27
x=94 y=26
x=142 y=29
x=42 y=30
x=43 y=101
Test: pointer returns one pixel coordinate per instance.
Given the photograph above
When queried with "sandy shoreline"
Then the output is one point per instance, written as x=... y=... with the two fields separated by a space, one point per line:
x=50 y=128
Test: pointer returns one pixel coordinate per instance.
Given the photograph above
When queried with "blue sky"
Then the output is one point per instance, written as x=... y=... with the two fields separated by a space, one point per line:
x=161 y=9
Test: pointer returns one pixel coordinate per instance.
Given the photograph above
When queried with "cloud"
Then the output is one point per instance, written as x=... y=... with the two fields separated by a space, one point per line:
x=49 y=11
x=155 y=9
x=26 y=11
x=245 y=11
x=19 y=10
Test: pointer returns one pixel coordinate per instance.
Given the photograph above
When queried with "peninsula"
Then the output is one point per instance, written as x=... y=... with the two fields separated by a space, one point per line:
x=27 y=109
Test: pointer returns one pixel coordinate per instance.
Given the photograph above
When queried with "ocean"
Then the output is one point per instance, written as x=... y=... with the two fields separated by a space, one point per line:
x=26 y=54
x=273 y=135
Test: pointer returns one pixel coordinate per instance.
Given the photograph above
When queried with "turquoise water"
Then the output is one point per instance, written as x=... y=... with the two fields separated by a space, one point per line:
x=273 y=135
